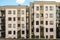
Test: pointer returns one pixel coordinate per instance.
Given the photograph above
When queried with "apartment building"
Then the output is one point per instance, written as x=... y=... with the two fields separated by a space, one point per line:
x=2 y=23
x=58 y=20
x=16 y=21
x=39 y=20
x=44 y=19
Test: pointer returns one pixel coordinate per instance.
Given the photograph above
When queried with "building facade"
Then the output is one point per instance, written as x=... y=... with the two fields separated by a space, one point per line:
x=58 y=20
x=44 y=19
x=16 y=21
x=39 y=20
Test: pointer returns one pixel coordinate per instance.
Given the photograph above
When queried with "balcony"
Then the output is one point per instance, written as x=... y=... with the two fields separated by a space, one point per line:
x=33 y=36
x=27 y=34
x=27 y=14
x=32 y=16
x=28 y=28
x=42 y=32
x=19 y=34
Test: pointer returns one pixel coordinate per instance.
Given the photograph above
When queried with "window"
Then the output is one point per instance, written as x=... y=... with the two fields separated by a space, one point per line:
x=14 y=25
x=46 y=15
x=37 y=8
x=46 y=22
x=51 y=36
x=18 y=11
x=9 y=32
x=13 y=11
x=14 y=19
x=37 y=22
x=46 y=36
x=51 y=22
x=51 y=8
x=9 y=18
x=41 y=7
x=9 y=12
x=32 y=29
x=22 y=11
x=9 y=25
x=22 y=18
x=27 y=31
x=23 y=25
x=37 y=29
x=51 y=15
x=18 y=18
x=14 y=32
x=41 y=15
x=37 y=15
x=23 y=32
x=41 y=22
x=18 y=25
x=51 y=29
x=46 y=8
x=46 y=29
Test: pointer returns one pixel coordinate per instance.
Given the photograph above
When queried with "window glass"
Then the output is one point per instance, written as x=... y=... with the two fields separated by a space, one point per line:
x=37 y=29
x=37 y=8
x=9 y=12
x=46 y=23
x=51 y=22
x=46 y=29
x=37 y=22
x=9 y=25
x=9 y=32
x=9 y=18
x=37 y=15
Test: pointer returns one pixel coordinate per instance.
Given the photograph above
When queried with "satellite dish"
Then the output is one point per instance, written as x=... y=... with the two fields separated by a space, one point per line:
x=20 y=2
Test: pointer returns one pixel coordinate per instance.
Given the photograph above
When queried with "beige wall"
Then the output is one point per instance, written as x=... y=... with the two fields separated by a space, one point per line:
x=50 y=19
x=11 y=22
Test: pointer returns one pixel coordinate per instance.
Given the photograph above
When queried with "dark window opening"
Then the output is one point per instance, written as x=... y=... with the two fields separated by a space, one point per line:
x=51 y=29
x=14 y=32
x=37 y=29
x=46 y=22
x=9 y=32
x=46 y=36
x=46 y=29
x=41 y=22
x=18 y=18
x=14 y=19
x=41 y=15
x=37 y=22
x=23 y=32
x=18 y=25
x=9 y=18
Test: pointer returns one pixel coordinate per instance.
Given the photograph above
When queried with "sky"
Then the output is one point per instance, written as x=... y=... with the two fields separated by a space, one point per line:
x=21 y=2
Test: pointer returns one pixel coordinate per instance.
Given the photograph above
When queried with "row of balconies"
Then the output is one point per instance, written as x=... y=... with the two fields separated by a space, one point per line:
x=27 y=34
x=41 y=31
